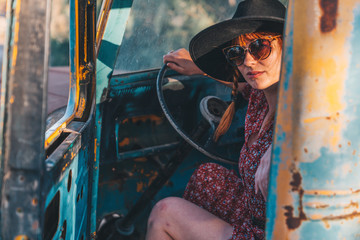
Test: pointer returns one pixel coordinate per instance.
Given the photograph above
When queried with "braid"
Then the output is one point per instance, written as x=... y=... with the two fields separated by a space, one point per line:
x=228 y=116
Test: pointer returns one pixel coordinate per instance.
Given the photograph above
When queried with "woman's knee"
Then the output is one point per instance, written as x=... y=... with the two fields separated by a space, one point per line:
x=162 y=211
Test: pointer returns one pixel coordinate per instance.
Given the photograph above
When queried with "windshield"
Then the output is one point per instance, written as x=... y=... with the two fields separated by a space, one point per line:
x=157 y=26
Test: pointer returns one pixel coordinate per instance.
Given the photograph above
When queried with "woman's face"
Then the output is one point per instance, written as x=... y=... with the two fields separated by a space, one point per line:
x=262 y=74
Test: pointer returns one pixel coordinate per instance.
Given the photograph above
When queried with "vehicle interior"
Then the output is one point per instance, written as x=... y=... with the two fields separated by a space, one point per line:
x=133 y=131
x=139 y=157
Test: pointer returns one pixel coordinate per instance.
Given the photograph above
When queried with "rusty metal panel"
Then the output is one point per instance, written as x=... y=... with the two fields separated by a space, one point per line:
x=23 y=112
x=315 y=182
x=110 y=32
x=82 y=67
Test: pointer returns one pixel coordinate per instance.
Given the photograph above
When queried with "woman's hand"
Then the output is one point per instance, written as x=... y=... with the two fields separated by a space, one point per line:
x=181 y=62
x=262 y=173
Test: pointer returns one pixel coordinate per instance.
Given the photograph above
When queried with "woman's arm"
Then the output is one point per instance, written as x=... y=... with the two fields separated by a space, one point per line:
x=181 y=62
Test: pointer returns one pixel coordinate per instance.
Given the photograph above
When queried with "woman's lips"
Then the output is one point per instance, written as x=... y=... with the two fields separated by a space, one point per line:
x=254 y=74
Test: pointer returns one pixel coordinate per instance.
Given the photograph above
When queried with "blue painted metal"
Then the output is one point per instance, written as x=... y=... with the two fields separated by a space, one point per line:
x=69 y=175
x=315 y=185
x=112 y=35
x=70 y=142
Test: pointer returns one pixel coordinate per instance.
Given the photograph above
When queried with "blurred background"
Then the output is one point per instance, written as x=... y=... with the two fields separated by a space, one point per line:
x=2 y=28
x=154 y=28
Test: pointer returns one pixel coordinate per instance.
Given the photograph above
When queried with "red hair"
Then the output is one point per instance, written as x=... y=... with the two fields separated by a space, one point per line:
x=228 y=116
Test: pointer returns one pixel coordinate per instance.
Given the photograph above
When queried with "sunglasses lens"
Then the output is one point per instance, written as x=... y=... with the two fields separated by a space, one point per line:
x=260 y=49
x=235 y=55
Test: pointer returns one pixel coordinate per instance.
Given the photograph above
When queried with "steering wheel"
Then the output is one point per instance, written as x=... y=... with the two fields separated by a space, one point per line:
x=204 y=110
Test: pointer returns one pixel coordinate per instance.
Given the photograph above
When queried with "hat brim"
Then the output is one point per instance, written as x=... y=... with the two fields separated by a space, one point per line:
x=206 y=47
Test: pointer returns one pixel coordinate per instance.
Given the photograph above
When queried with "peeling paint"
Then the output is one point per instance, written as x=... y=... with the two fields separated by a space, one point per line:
x=21 y=237
x=158 y=120
x=292 y=221
x=124 y=142
x=328 y=19
x=343 y=217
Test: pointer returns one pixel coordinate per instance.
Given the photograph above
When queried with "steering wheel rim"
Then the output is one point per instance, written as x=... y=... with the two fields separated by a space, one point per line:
x=160 y=95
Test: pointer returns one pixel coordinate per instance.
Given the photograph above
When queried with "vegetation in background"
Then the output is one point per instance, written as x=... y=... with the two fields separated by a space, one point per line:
x=156 y=27
x=166 y=24
x=59 y=32
x=161 y=26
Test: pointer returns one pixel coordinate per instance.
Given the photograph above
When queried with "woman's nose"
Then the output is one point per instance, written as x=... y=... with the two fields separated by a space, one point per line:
x=249 y=59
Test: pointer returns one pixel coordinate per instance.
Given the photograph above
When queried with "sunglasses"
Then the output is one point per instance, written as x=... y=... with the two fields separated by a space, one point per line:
x=259 y=49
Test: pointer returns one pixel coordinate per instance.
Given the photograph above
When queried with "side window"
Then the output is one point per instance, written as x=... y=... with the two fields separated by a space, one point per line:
x=59 y=70
x=58 y=78
x=168 y=25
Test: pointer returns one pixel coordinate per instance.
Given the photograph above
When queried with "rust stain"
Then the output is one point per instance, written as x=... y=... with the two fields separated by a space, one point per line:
x=95 y=147
x=330 y=193
x=344 y=217
x=352 y=205
x=116 y=183
x=140 y=159
x=21 y=237
x=328 y=19
x=152 y=118
x=93 y=235
x=81 y=108
x=35 y=226
x=296 y=181
x=34 y=201
x=292 y=221
x=65 y=167
x=124 y=142
x=318 y=205
x=356 y=191
x=140 y=186
x=152 y=178
x=16 y=35
x=326 y=223
x=314 y=119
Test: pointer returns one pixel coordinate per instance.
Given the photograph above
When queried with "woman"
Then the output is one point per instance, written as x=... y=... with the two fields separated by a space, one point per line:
x=217 y=203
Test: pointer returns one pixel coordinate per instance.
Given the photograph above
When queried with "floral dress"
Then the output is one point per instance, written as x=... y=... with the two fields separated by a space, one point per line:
x=226 y=194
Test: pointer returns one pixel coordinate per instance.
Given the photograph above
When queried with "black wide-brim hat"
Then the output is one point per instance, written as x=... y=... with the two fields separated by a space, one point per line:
x=250 y=16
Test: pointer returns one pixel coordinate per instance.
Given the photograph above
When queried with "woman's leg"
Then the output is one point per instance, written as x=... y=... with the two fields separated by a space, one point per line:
x=177 y=218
